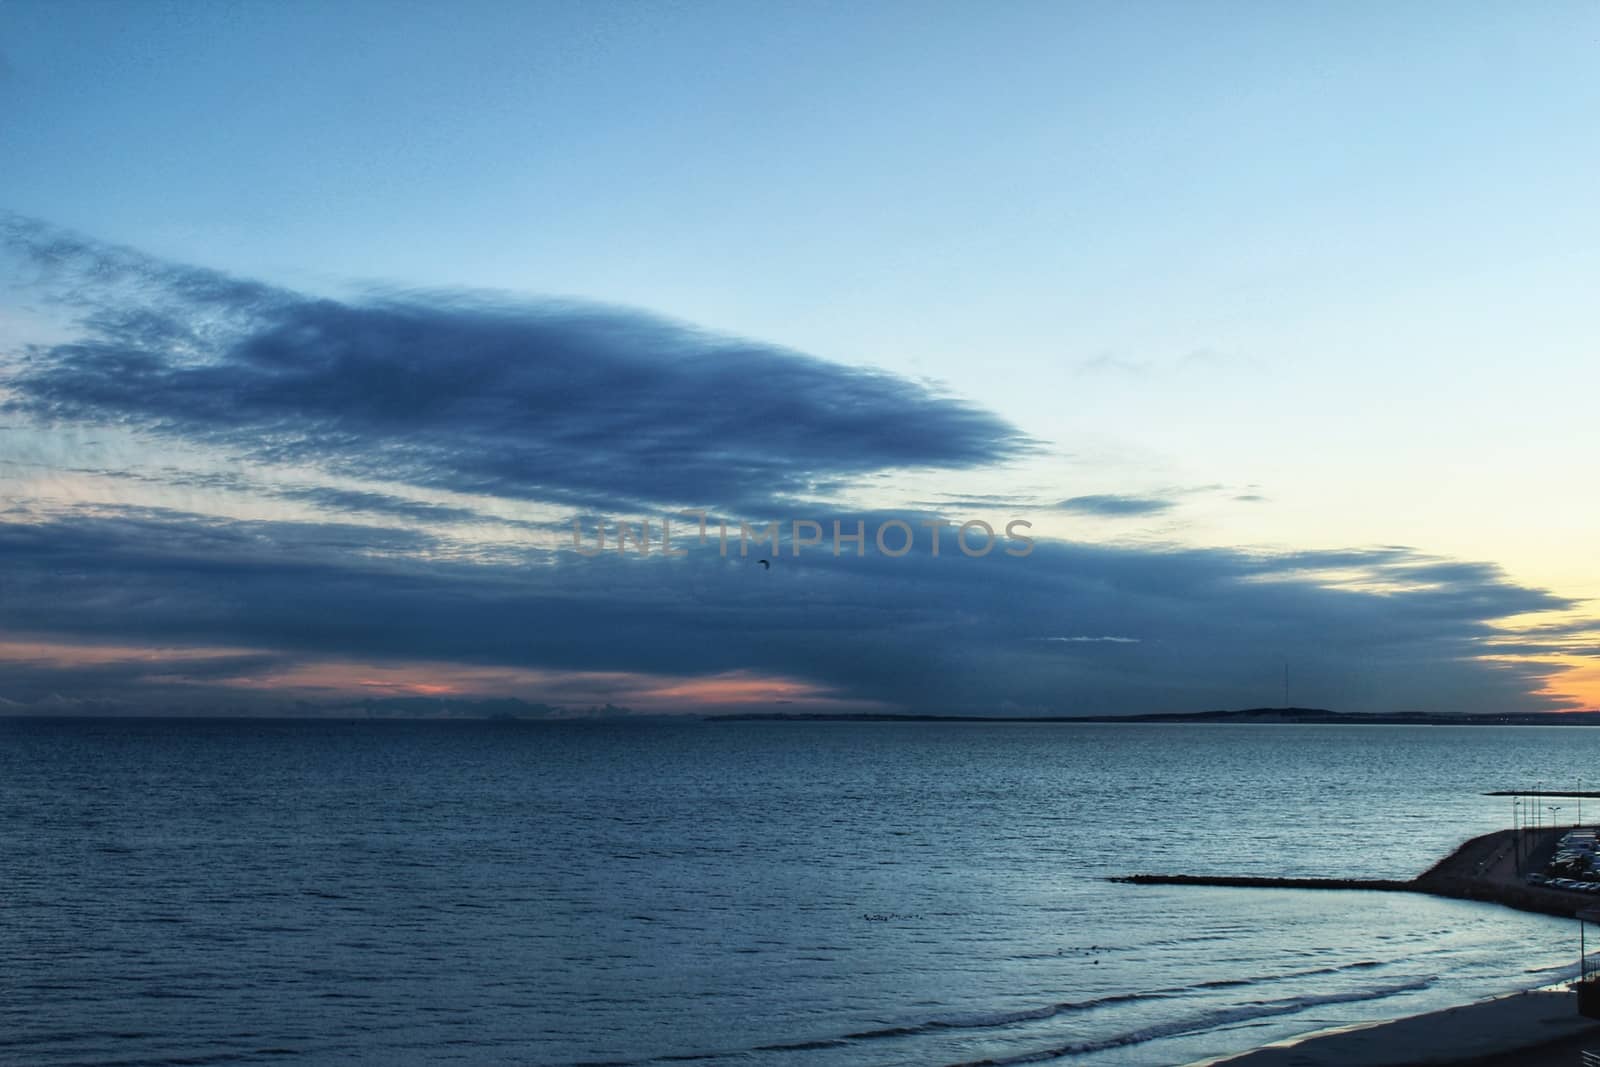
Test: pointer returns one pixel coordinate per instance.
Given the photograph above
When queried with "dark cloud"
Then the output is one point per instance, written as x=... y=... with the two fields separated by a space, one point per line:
x=1213 y=627
x=1113 y=506
x=157 y=684
x=601 y=407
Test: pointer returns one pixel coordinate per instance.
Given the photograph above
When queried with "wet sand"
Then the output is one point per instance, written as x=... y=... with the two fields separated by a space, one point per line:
x=1532 y=1029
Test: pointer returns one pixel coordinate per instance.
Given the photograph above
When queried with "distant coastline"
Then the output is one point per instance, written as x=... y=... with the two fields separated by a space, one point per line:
x=514 y=711
x=1264 y=716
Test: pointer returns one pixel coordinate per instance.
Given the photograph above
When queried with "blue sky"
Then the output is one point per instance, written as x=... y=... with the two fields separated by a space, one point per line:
x=1288 y=297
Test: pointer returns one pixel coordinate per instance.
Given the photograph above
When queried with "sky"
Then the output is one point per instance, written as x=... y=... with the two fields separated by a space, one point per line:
x=1269 y=326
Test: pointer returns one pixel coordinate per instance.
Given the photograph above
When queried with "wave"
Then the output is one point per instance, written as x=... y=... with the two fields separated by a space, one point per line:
x=986 y=1020
x=989 y=1020
x=1199 y=1023
x=1000 y=1019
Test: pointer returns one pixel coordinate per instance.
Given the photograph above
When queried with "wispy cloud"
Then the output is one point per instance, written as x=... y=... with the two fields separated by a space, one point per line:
x=1107 y=505
x=1086 y=640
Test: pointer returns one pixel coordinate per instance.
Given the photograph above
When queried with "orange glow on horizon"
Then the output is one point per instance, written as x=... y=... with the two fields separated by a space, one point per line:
x=1578 y=685
x=641 y=692
x=738 y=688
x=62 y=654
x=1573 y=687
x=352 y=680
x=413 y=688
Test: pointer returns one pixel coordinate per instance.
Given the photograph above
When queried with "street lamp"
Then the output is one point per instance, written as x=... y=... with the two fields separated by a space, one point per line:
x=1516 y=831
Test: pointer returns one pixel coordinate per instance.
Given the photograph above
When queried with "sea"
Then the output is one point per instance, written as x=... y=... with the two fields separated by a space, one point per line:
x=770 y=894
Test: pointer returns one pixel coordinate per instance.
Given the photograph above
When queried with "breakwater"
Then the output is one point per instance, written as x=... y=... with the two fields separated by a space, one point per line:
x=1488 y=868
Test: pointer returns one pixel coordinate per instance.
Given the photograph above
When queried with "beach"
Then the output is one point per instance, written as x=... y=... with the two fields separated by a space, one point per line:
x=1532 y=1029
x=1528 y=1029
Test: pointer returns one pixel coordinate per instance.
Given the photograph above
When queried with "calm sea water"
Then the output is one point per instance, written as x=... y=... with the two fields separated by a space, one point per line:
x=773 y=894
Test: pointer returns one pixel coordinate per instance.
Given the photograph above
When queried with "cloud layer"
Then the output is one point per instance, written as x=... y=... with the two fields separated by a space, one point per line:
x=594 y=406
x=133 y=606
x=1197 y=628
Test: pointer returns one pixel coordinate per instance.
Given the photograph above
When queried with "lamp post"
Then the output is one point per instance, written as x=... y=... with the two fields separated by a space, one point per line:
x=1516 y=832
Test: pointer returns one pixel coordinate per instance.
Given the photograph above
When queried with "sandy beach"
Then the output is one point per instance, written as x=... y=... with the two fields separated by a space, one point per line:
x=1541 y=1028
x=1528 y=1029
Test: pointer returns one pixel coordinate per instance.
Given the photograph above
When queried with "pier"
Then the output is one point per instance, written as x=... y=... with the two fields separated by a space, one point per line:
x=1486 y=868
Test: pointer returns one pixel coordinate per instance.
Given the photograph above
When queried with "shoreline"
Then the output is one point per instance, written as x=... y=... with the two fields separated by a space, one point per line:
x=1534 y=1028
x=1537 y=1027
